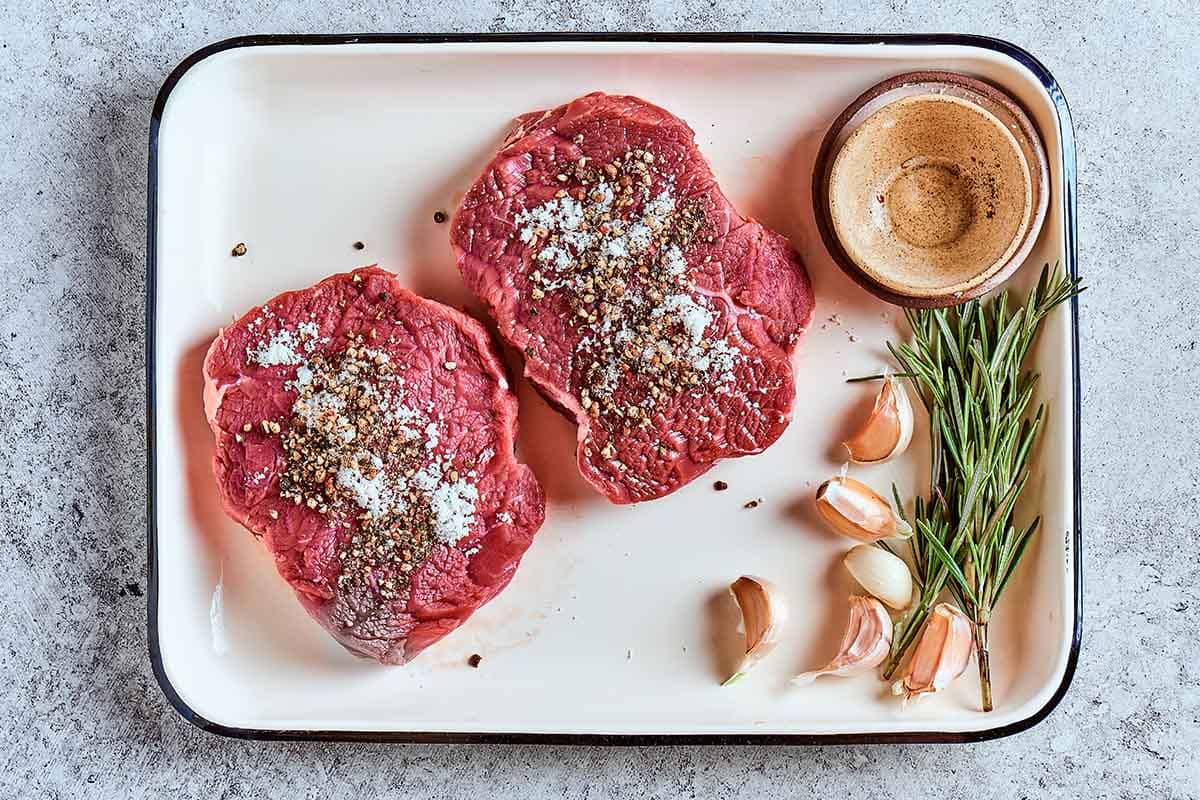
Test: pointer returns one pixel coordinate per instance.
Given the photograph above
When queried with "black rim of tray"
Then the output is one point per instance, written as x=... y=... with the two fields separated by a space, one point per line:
x=1066 y=137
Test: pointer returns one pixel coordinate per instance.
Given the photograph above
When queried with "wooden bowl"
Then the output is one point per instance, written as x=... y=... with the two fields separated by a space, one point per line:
x=931 y=188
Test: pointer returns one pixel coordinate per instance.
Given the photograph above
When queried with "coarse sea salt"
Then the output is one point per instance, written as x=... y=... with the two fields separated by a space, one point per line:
x=432 y=437
x=661 y=206
x=578 y=241
x=555 y=256
x=559 y=214
x=395 y=412
x=284 y=346
x=378 y=356
x=304 y=376
x=428 y=477
x=719 y=359
x=452 y=502
x=279 y=348
x=374 y=496
x=673 y=261
x=639 y=236
x=694 y=317
x=320 y=404
x=453 y=506
x=311 y=335
x=616 y=248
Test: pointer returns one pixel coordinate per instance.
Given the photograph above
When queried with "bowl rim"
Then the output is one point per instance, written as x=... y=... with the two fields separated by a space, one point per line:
x=1039 y=178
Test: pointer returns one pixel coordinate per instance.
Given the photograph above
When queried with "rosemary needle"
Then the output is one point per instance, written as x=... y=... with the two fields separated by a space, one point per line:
x=966 y=363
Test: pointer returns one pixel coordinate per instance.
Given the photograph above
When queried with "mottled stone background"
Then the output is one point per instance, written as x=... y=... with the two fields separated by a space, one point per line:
x=80 y=713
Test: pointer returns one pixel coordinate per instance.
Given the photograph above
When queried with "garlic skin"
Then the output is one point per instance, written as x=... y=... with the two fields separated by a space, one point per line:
x=764 y=613
x=941 y=655
x=853 y=509
x=865 y=645
x=881 y=573
x=887 y=430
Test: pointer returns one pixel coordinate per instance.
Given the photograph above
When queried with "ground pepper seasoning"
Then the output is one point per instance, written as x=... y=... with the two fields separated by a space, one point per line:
x=612 y=242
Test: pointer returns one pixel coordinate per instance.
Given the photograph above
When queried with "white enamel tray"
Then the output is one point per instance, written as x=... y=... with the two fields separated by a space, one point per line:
x=617 y=627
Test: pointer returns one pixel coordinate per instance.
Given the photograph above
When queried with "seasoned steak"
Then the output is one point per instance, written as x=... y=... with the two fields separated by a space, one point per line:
x=647 y=308
x=365 y=434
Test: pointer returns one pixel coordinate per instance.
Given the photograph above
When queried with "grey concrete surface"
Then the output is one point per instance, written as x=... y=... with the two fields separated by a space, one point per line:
x=80 y=713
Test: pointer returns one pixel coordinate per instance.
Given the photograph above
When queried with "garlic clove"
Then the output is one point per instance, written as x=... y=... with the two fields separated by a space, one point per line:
x=764 y=613
x=865 y=645
x=887 y=430
x=881 y=573
x=853 y=509
x=941 y=655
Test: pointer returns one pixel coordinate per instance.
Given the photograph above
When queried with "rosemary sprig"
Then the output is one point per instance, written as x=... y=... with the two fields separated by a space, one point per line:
x=966 y=364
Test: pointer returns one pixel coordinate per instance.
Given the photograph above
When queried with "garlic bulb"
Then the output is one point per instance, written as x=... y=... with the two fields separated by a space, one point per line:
x=941 y=654
x=881 y=573
x=865 y=645
x=852 y=509
x=887 y=430
x=764 y=613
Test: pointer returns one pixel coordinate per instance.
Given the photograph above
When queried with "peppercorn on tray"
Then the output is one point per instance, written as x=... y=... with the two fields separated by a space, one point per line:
x=278 y=160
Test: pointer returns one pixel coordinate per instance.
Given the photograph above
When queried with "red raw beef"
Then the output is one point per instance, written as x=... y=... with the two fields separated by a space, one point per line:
x=607 y=203
x=448 y=385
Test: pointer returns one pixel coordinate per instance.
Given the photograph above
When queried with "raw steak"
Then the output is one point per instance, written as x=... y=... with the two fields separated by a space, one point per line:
x=646 y=307
x=366 y=436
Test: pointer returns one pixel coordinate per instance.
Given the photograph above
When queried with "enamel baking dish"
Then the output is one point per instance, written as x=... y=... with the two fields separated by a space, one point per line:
x=300 y=146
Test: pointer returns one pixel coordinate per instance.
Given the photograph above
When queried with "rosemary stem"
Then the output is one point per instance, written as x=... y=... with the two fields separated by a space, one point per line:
x=889 y=669
x=985 y=667
x=879 y=377
x=911 y=627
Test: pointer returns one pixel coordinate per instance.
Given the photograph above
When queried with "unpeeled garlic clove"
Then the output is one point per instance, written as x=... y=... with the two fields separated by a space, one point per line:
x=853 y=509
x=865 y=645
x=887 y=430
x=764 y=613
x=941 y=655
x=881 y=573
